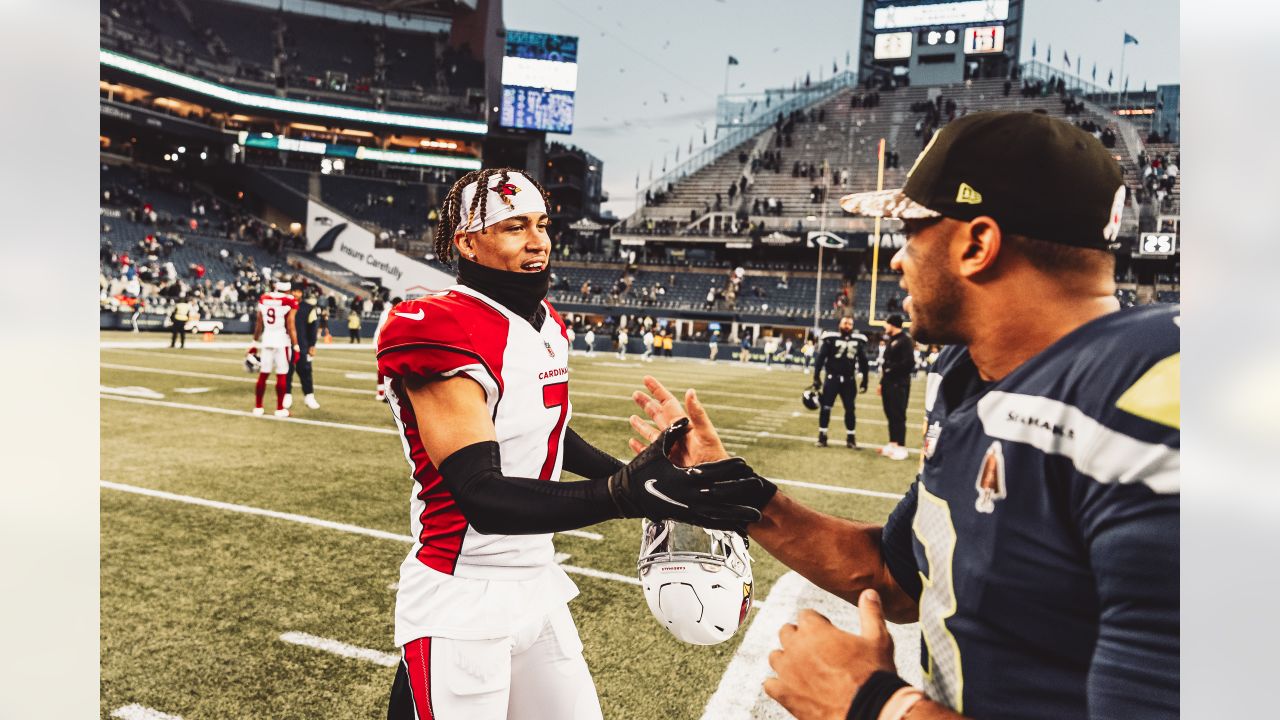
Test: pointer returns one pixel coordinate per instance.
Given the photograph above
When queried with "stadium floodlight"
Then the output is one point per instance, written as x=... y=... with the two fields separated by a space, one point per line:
x=204 y=155
x=182 y=148
x=166 y=157
x=286 y=105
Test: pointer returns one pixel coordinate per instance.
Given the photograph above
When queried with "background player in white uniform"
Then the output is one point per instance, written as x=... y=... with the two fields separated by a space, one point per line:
x=275 y=339
x=477 y=381
x=381 y=394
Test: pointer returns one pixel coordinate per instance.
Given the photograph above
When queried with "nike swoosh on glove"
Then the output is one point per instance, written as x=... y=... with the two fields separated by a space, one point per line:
x=722 y=495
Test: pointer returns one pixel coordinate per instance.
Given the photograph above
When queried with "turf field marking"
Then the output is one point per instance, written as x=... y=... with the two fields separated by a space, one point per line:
x=388 y=431
x=740 y=695
x=291 y=517
x=248 y=414
x=246 y=378
x=316 y=367
x=838 y=489
x=132 y=391
x=192 y=390
x=139 y=712
x=338 y=647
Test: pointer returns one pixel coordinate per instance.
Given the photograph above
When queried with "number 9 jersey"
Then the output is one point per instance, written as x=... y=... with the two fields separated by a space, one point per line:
x=275 y=308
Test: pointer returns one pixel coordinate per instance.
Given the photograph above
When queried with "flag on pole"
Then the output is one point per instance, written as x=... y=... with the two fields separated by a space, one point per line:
x=733 y=60
x=1095 y=72
x=1110 y=77
x=1066 y=59
x=691 y=145
x=1048 y=54
x=1033 y=49
x=834 y=68
x=650 y=169
x=1079 y=59
x=704 y=135
x=1130 y=39
x=637 y=181
x=847 y=58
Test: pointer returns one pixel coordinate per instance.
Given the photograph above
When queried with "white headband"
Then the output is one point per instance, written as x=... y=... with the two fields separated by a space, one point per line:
x=517 y=196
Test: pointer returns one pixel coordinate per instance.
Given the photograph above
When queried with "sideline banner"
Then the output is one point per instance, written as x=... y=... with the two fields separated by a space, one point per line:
x=338 y=239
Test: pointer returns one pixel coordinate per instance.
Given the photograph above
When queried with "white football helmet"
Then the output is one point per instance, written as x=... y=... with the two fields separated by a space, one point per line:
x=697 y=581
x=252 y=362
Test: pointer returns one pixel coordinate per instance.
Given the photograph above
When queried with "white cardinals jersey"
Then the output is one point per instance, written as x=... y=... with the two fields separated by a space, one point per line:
x=275 y=308
x=456 y=582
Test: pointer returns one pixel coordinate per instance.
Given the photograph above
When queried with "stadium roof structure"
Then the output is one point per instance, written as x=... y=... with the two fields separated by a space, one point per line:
x=431 y=8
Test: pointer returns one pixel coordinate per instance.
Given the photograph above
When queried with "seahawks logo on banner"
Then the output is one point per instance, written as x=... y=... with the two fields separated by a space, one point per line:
x=826 y=239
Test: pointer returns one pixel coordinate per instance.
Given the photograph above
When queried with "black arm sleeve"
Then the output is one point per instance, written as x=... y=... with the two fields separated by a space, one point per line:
x=495 y=504
x=863 y=367
x=583 y=458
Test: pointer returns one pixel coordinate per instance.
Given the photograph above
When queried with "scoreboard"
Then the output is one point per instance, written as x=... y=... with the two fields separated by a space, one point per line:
x=539 y=79
x=940 y=41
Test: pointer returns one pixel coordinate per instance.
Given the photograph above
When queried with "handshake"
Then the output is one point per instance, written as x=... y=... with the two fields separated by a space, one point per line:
x=684 y=473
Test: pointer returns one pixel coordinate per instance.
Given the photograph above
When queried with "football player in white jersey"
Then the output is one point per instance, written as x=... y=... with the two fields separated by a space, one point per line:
x=275 y=340
x=381 y=394
x=477 y=383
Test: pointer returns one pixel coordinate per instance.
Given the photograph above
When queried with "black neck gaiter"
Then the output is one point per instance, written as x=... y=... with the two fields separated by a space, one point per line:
x=520 y=292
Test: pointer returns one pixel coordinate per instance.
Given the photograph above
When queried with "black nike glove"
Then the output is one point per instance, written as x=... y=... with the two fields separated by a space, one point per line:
x=817 y=385
x=864 y=385
x=721 y=495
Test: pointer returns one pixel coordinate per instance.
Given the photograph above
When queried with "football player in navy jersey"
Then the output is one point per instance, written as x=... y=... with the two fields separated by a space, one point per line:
x=844 y=357
x=1038 y=545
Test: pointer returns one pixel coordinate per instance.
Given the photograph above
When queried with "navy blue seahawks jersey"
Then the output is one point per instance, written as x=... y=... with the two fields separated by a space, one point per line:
x=1041 y=535
x=841 y=355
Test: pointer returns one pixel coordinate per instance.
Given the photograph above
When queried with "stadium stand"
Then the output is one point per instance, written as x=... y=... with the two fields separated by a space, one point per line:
x=319 y=57
x=783 y=164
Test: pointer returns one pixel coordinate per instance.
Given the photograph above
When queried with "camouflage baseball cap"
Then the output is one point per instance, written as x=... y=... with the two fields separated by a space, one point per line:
x=1035 y=175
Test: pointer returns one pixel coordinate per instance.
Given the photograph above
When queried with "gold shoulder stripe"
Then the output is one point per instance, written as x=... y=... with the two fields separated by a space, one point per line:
x=1157 y=395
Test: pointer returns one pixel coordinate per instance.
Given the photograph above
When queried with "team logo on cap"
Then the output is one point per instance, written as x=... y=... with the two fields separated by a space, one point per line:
x=505 y=189
x=967 y=195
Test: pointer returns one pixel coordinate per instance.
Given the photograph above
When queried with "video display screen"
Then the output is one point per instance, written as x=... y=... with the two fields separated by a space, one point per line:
x=539 y=79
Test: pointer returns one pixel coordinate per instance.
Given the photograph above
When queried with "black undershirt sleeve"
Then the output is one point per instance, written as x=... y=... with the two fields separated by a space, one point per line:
x=495 y=504
x=583 y=458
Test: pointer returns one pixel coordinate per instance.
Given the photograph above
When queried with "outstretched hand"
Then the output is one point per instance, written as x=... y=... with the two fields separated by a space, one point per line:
x=702 y=444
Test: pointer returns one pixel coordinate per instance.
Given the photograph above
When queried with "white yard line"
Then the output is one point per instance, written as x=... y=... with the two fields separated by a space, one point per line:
x=740 y=695
x=338 y=647
x=248 y=414
x=291 y=517
x=246 y=378
x=139 y=712
x=389 y=431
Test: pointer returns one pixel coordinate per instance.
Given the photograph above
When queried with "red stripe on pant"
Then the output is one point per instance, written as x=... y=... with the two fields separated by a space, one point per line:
x=417 y=659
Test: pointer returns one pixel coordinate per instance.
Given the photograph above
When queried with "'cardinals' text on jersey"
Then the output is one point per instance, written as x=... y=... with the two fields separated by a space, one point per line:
x=275 y=308
x=445 y=587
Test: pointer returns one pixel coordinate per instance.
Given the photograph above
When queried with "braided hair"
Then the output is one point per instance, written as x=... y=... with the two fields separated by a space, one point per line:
x=451 y=210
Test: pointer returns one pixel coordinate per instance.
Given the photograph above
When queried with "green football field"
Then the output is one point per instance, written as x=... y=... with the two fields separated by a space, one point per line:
x=248 y=564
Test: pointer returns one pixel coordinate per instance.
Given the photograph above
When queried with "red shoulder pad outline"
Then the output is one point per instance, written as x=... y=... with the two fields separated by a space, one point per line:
x=433 y=336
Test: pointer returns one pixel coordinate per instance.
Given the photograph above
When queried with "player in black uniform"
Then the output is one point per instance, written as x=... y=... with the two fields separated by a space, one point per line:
x=838 y=354
x=1038 y=546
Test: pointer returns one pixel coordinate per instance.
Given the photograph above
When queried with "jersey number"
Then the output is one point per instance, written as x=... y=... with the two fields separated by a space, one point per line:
x=943 y=675
x=846 y=349
x=271 y=316
x=556 y=395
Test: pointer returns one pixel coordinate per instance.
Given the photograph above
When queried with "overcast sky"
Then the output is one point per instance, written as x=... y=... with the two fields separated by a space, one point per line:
x=650 y=71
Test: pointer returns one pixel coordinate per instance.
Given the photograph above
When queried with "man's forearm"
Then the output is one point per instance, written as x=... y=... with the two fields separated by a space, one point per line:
x=840 y=556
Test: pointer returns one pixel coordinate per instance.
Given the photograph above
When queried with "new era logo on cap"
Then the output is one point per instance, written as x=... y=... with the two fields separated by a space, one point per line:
x=968 y=195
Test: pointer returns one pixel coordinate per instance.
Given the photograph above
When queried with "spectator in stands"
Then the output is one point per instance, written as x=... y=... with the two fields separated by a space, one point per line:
x=648 y=345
